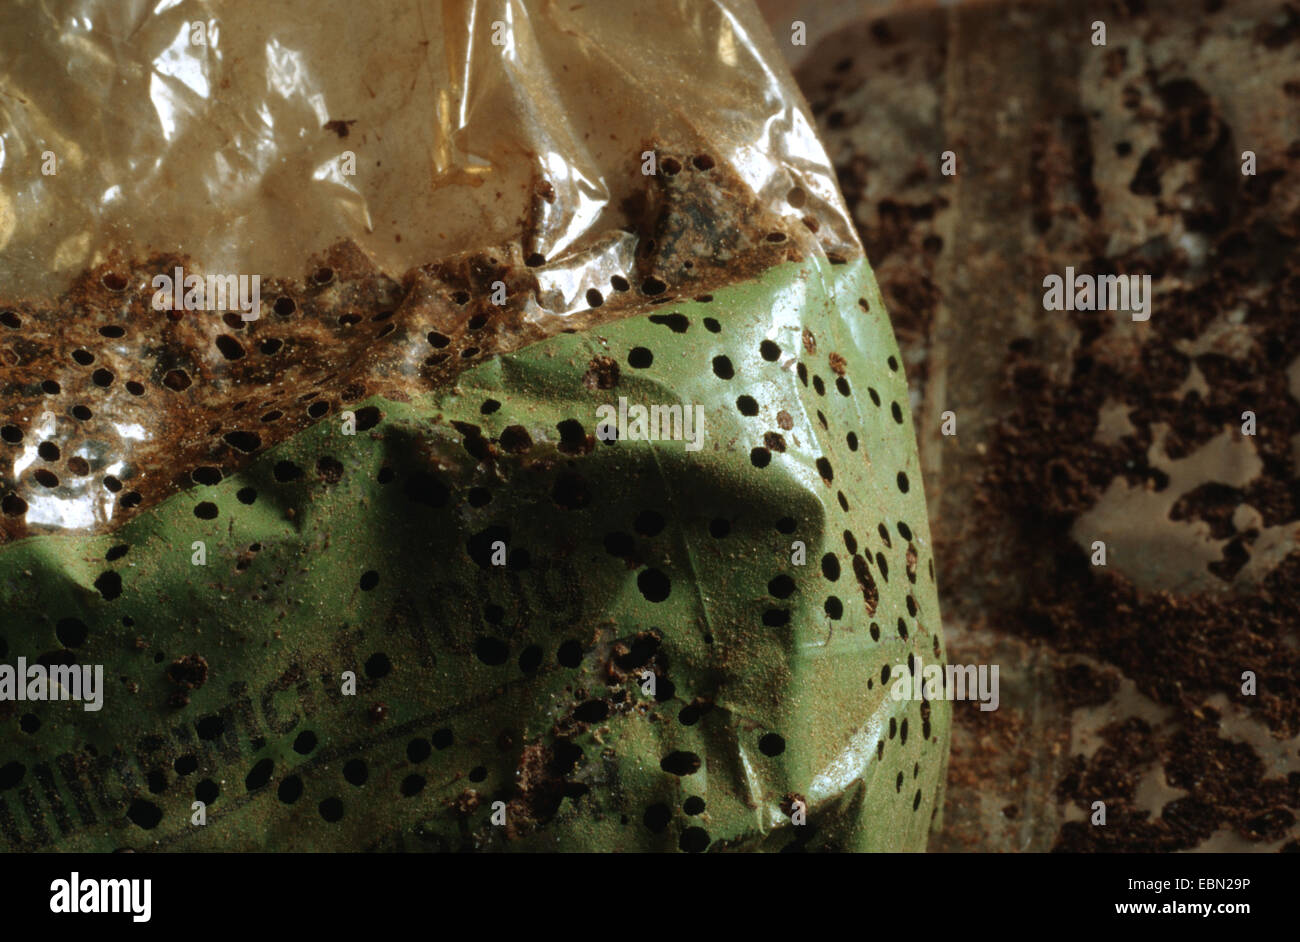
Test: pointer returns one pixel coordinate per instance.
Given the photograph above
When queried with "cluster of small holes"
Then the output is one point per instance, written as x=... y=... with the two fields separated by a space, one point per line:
x=91 y=373
x=783 y=586
x=654 y=585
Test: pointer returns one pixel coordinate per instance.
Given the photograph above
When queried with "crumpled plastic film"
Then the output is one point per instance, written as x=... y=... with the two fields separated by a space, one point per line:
x=220 y=150
x=364 y=571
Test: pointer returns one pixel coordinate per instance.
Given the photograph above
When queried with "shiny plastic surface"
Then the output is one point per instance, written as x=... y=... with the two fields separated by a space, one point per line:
x=491 y=143
x=220 y=131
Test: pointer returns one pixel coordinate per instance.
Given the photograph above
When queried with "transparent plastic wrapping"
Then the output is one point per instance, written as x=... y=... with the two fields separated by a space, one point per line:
x=392 y=153
x=218 y=130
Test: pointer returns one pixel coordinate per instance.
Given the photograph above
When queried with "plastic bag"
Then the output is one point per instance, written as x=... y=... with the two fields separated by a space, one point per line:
x=354 y=544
